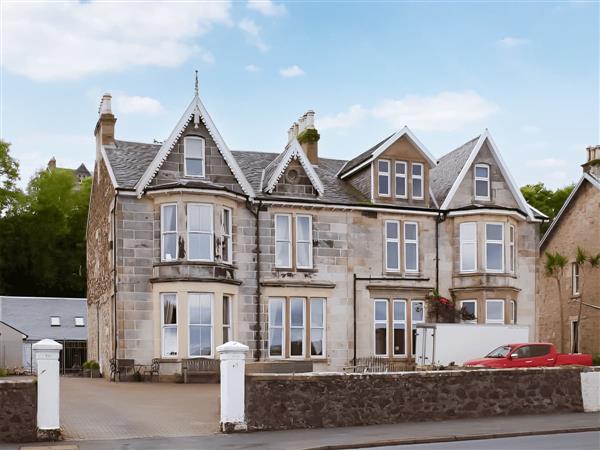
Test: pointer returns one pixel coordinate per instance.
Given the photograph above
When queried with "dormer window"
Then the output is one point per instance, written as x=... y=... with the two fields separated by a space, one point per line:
x=417 y=181
x=482 y=182
x=193 y=149
x=384 y=177
x=400 y=179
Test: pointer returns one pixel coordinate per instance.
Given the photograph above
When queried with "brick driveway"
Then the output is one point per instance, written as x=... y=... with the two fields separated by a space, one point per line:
x=97 y=409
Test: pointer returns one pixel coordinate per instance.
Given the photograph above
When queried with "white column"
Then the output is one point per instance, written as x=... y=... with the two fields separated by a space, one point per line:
x=233 y=371
x=590 y=391
x=46 y=354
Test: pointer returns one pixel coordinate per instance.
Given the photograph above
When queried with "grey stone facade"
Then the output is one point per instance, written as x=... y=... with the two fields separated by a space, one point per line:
x=18 y=414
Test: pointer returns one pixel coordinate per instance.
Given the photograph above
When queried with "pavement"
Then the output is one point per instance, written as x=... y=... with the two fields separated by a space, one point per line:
x=353 y=437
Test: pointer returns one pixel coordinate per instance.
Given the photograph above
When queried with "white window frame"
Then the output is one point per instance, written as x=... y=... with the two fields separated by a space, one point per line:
x=185 y=156
x=402 y=177
x=297 y=327
x=79 y=321
x=227 y=298
x=163 y=326
x=513 y=312
x=413 y=323
x=411 y=241
x=309 y=242
x=419 y=178
x=486 y=179
x=463 y=240
x=55 y=321
x=201 y=325
x=494 y=321
x=377 y=322
x=323 y=327
x=462 y=302
x=402 y=322
x=163 y=232
x=575 y=279
x=392 y=240
x=493 y=241
x=210 y=233
x=282 y=326
x=227 y=235
x=512 y=256
x=386 y=174
x=288 y=241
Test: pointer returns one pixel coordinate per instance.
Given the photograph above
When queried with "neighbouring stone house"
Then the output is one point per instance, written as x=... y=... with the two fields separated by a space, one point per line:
x=576 y=225
x=299 y=256
x=81 y=173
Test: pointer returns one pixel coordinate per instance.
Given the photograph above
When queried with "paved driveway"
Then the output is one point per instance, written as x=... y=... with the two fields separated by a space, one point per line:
x=97 y=409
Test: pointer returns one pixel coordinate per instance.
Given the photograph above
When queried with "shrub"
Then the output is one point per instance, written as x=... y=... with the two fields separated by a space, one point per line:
x=3 y=372
x=309 y=135
x=91 y=365
x=596 y=359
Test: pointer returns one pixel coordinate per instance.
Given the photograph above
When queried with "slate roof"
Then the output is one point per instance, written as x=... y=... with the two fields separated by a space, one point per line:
x=129 y=160
x=443 y=176
x=354 y=162
x=83 y=171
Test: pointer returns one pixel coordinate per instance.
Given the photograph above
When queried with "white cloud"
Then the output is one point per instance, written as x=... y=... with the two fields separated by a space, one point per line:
x=291 y=72
x=252 y=31
x=133 y=104
x=510 y=42
x=344 y=119
x=266 y=7
x=252 y=68
x=68 y=40
x=547 y=163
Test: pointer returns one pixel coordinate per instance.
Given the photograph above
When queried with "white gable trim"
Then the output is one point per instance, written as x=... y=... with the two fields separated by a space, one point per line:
x=537 y=211
x=294 y=151
x=565 y=205
x=516 y=192
x=405 y=131
x=196 y=109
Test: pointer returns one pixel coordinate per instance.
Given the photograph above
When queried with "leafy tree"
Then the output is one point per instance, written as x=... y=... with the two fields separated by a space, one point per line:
x=555 y=266
x=9 y=175
x=546 y=200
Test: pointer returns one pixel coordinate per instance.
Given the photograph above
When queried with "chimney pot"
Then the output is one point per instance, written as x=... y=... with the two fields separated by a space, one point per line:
x=106 y=104
x=309 y=120
x=105 y=127
x=295 y=129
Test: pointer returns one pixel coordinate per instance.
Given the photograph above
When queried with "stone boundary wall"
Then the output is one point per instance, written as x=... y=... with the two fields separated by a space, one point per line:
x=279 y=402
x=18 y=409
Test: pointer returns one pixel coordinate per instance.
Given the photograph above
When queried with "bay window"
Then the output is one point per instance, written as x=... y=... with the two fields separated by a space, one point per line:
x=297 y=325
x=283 y=241
x=417 y=181
x=392 y=246
x=417 y=315
x=468 y=247
x=400 y=179
x=276 y=329
x=200 y=232
x=411 y=247
x=383 y=177
x=168 y=322
x=200 y=317
x=193 y=149
x=226 y=232
x=399 y=326
x=381 y=324
x=304 y=242
x=168 y=232
x=482 y=182
x=494 y=247
x=317 y=327
x=494 y=311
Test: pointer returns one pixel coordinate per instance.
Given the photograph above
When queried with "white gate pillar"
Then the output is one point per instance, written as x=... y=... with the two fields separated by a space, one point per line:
x=233 y=371
x=48 y=384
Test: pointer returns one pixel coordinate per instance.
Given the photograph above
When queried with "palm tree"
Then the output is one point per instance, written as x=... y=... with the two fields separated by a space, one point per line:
x=581 y=259
x=555 y=265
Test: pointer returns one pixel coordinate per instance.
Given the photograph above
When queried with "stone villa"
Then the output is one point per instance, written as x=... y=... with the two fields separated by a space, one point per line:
x=299 y=256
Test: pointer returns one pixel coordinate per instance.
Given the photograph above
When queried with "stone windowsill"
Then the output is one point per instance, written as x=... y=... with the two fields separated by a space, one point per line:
x=184 y=262
x=487 y=274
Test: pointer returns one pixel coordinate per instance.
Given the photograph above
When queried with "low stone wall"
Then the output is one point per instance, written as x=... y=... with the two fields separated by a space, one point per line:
x=277 y=401
x=18 y=409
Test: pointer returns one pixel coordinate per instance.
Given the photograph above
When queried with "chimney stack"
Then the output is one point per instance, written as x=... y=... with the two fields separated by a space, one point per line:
x=52 y=164
x=304 y=130
x=592 y=165
x=105 y=127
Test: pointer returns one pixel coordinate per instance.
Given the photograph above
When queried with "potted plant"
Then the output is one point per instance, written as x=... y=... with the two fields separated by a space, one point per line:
x=91 y=368
x=443 y=310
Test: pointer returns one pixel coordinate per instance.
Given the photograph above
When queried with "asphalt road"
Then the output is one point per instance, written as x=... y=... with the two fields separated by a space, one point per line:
x=568 y=441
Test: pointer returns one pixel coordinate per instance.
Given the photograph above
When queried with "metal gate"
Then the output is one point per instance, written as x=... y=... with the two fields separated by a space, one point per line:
x=72 y=356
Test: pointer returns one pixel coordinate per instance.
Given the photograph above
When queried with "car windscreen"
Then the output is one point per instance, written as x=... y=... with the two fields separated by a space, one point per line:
x=500 y=352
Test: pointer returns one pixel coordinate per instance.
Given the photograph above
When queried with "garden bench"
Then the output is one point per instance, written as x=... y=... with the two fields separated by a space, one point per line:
x=208 y=369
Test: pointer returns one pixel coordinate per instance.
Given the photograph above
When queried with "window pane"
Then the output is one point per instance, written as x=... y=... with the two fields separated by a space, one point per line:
x=410 y=231
x=276 y=312
x=303 y=231
x=169 y=246
x=467 y=231
x=205 y=341
x=282 y=254
x=194 y=148
x=316 y=344
x=303 y=250
x=169 y=218
x=411 y=256
x=169 y=310
x=401 y=187
x=383 y=185
x=205 y=310
x=417 y=188
x=481 y=171
x=417 y=169
x=418 y=313
x=227 y=221
x=380 y=338
x=399 y=338
x=226 y=310
x=400 y=169
x=316 y=312
x=468 y=307
x=481 y=188
x=296 y=341
x=283 y=231
x=384 y=166
x=194 y=167
x=493 y=232
x=380 y=310
x=200 y=218
x=170 y=341
x=399 y=311
x=494 y=310
x=494 y=256
x=275 y=342
x=226 y=335
x=199 y=246
x=392 y=255
x=468 y=256
x=391 y=230
x=297 y=312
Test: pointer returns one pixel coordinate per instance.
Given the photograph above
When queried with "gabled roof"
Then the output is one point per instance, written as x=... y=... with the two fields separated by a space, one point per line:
x=586 y=177
x=274 y=171
x=197 y=112
x=373 y=153
x=486 y=137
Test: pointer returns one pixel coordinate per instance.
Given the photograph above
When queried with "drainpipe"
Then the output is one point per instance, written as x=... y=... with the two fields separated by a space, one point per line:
x=439 y=219
x=115 y=276
x=257 y=329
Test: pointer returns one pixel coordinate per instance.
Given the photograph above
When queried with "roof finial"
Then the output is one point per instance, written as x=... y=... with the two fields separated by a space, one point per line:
x=196 y=84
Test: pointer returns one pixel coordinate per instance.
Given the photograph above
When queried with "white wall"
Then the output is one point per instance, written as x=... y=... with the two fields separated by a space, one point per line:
x=453 y=342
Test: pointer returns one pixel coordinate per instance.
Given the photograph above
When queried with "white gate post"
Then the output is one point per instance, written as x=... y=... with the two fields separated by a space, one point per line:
x=233 y=371
x=48 y=384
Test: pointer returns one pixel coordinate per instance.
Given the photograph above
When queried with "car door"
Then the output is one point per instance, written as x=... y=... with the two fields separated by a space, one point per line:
x=521 y=357
x=541 y=355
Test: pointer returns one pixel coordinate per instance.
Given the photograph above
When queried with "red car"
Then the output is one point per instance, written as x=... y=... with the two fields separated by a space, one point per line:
x=539 y=354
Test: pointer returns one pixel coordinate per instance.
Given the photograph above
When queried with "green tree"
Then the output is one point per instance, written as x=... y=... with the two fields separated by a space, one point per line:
x=546 y=200
x=555 y=266
x=9 y=175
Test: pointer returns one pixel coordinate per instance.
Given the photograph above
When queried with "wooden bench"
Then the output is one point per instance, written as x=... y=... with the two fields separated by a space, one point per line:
x=207 y=370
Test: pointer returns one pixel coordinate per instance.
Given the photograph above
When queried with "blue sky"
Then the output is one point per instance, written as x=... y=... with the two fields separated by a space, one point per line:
x=527 y=71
